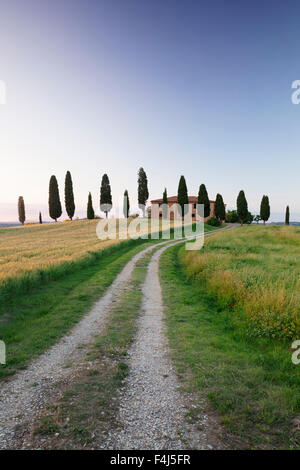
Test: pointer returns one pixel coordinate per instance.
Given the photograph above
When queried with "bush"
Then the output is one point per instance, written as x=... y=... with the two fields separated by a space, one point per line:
x=214 y=222
x=232 y=217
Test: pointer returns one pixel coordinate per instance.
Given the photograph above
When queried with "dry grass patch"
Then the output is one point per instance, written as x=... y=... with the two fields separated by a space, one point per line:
x=255 y=270
x=24 y=249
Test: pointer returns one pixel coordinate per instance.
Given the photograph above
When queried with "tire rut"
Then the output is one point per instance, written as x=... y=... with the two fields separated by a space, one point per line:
x=153 y=411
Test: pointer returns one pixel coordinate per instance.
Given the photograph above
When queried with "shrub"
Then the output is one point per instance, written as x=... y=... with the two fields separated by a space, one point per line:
x=214 y=222
x=232 y=217
x=249 y=219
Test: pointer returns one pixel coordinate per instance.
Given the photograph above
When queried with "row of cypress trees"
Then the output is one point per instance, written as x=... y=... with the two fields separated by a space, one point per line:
x=106 y=198
x=265 y=210
x=21 y=211
x=220 y=212
x=182 y=199
x=55 y=208
x=242 y=208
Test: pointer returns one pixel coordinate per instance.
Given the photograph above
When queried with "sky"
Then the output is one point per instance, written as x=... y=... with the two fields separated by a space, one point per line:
x=188 y=87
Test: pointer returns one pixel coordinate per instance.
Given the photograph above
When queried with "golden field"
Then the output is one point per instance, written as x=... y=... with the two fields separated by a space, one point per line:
x=254 y=270
x=34 y=246
x=31 y=247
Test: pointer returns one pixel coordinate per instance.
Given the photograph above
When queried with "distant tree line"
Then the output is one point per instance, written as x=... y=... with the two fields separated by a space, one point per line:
x=55 y=207
x=241 y=214
x=183 y=201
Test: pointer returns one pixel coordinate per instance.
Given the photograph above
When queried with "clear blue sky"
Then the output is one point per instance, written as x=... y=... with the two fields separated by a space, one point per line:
x=179 y=87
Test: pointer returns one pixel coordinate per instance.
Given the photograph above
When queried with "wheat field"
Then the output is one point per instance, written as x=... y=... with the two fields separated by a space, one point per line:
x=33 y=247
x=254 y=270
x=27 y=248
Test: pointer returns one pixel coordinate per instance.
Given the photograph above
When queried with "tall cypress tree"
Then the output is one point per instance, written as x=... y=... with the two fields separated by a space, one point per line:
x=242 y=207
x=287 y=215
x=204 y=199
x=182 y=195
x=21 y=210
x=40 y=218
x=105 y=195
x=219 y=208
x=143 y=192
x=54 y=200
x=165 y=204
x=126 y=204
x=90 y=210
x=265 y=209
x=69 y=196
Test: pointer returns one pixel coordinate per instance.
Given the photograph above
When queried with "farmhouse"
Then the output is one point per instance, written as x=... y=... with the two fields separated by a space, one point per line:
x=173 y=213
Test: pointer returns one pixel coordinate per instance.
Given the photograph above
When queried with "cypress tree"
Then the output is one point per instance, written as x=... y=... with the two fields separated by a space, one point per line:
x=182 y=195
x=69 y=196
x=21 y=210
x=126 y=205
x=143 y=192
x=105 y=195
x=165 y=204
x=265 y=209
x=219 y=208
x=242 y=207
x=90 y=211
x=54 y=200
x=287 y=215
x=40 y=218
x=204 y=199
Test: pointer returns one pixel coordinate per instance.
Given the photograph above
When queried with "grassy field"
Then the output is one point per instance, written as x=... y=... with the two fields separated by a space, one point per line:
x=237 y=361
x=34 y=254
x=255 y=271
x=72 y=269
x=28 y=248
x=32 y=322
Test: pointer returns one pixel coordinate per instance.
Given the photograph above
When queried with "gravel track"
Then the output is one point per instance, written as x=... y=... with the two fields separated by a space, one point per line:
x=153 y=411
x=30 y=390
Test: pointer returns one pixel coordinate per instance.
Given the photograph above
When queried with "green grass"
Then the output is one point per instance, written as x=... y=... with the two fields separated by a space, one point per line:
x=250 y=382
x=39 y=307
x=32 y=322
x=88 y=407
x=255 y=272
x=56 y=267
x=14 y=287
